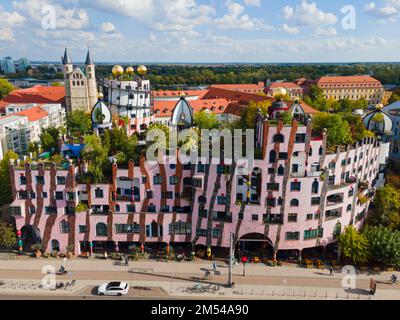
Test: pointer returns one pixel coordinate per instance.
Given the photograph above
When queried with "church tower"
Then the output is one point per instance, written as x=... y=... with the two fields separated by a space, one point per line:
x=91 y=80
x=67 y=70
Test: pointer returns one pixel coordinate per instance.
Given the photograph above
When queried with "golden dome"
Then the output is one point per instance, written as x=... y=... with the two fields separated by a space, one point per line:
x=379 y=106
x=142 y=70
x=280 y=92
x=130 y=70
x=117 y=71
x=100 y=95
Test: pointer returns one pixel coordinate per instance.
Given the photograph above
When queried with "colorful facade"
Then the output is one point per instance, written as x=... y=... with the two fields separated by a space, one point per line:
x=299 y=195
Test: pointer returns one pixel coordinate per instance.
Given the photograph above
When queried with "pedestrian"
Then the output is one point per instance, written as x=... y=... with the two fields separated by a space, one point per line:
x=214 y=265
x=331 y=271
x=126 y=261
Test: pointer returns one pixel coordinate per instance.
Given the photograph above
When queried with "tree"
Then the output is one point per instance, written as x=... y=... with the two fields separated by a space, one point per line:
x=78 y=123
x=96 y=156
x=5 y=88
x=5 y=190
x=386 y=208
x=384 y=245
x=338 y=130
x=206 y=120
x=250 y=113
x=357 y=127
x=49 y=139
x=7 y=235
x=354 y=245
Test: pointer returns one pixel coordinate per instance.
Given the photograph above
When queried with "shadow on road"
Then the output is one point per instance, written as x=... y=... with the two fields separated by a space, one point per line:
x=94 y=291
x=359 y=291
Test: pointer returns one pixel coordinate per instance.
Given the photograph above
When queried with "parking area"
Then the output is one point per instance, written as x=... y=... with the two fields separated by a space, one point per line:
x=134 y=292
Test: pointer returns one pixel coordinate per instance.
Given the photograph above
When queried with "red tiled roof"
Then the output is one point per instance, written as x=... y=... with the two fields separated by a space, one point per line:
x=289 y=85
x=348 y=80
x=179 y=93
x=235 y=96
x=235 y=109
x=307 y=109
x=33 y=114
x=37 y=94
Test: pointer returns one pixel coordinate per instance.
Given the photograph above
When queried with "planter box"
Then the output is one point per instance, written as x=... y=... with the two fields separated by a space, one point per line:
x=309 y=266
x=391 y=269
x=336 y=267
x=321 y=266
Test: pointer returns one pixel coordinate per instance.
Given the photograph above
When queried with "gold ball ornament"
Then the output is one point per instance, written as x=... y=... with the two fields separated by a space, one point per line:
x=280 y=92
x=379 y=106
x=142 y=70
x=100 y=95
x=130 y=71
x=117 y=71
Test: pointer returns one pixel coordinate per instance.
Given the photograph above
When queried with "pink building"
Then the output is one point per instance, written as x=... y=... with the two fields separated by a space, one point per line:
x=300 y=195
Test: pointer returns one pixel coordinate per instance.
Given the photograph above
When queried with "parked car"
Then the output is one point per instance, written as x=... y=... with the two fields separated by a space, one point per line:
x=113 y=289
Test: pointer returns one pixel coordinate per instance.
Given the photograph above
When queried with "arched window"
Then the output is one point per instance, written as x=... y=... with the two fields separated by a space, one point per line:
x=101 y=229
x=281 y=171
x=294 y=203
x=315 y=187
x=202 y=199
x=349 y=207
x=279 y=138
x=55 y=245
x=272 y=156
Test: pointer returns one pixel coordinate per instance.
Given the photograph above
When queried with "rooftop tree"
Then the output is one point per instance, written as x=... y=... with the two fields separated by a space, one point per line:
x=5 y=190
x=79 y=123
x=338 y=130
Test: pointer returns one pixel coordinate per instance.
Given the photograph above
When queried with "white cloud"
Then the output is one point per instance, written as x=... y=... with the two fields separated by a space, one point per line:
x=152 y=38
x=108 y=27
x=326 y=31
x=291 y=30
x=386 y=13
x=255 y=3
x=132 y=8
x=11 y=18
x=307 y=14
x=235 y=19
x=66 y=18
x=6 y=34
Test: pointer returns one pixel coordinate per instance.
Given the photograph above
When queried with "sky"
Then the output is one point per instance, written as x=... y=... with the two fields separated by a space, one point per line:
x=202 y=30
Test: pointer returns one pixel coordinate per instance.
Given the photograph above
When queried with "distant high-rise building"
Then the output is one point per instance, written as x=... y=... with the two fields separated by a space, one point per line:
x=23 y=64
x=7 y=65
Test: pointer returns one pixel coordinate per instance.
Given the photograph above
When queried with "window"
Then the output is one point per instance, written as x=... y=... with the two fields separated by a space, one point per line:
x=69 y=210
x=292 y=217
x=331 y=181
x=51 y=210
x=240 y=181
x=279 y=138
x=294 y=203
x=348 y=208
x=273 y=186
x=101 y=230
x=313 y=233
x=217 y=233
x=130 y=208
x=333 y=214
x=165 y=208
x=167 y=195
x=300 y=138
x=61 y=180
x=309 y=216
x=59 y=195
x=271 y=170
x=292 y=236
x=222 y=200
x=315 y=201
x=22 y=180
x=70 y=196
x=332 y=165
x=151 y=208
x=271 y=202
x=157 y=179
x=272 y=156
x=201 y=168
x=180 y=228
x=127 y=228
x=201 y=232
x=281 y=171
x=40 y=180
x=295 y=186
x=32 y=210
x=254 y=217
x=173 y=180
x=149 y=194
x=82 y=229
x=99 y=193
x=295 y=168
x=283 y=155
x=64 y=226
x=315 y=187
x=221 y=169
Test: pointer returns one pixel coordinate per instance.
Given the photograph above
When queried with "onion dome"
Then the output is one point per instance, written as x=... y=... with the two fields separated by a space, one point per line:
x=130 y=71
x=117 y=71
x=378 y=121
x=280 y=92
x=101 y=114
x=142 y=70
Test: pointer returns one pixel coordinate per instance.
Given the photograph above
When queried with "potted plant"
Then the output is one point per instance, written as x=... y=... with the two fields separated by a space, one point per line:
x=376 y=268
x=37 y=249
x=54 y=254
x=46 y=255
x=308 y=263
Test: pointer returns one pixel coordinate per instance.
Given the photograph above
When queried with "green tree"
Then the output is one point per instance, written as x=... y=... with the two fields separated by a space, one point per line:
x=7 y=236
x=357 y=127
x=384 y=245
x=338 y=130
x=79 y=123
x=96 y=156
x=5 y=190
x=206 y=120
x=354 y=245
x=5 y=88
x=386 y=208
x=249 y=114
x=49 y=139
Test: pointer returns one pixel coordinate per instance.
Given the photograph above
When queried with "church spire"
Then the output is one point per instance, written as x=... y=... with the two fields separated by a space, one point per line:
x=89 y=60
x=66 y=59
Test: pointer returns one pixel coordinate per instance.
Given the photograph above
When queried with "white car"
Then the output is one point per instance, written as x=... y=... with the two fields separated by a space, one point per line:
x=113 y=289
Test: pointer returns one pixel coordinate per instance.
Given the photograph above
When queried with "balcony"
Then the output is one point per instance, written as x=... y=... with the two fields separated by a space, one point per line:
x=126 y=198
x=221 y=217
